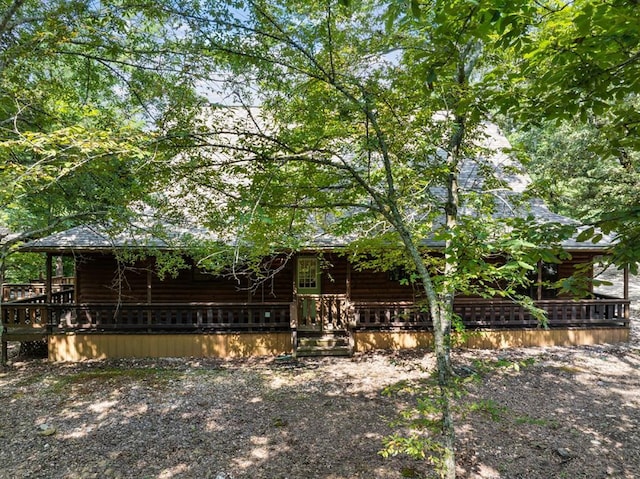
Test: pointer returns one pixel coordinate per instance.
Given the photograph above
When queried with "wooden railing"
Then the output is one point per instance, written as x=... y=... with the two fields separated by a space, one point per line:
x=24 y=316
x=16 y=292
x=65 y=296
x=488 y=313
x=228 y=317
x=23 y=291
x=333 y=310
x=402 y=315
x=321 y=312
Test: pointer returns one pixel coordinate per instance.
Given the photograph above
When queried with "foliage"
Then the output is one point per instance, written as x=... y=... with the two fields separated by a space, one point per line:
x=422 y=423
x=85 y=87
x=24 y=268
x=571 y=84
x=489 y=408
x=597 y=189
x=370 y=113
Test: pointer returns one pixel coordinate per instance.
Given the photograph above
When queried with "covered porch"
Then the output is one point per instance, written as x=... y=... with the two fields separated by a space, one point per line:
x=294 y=327
x=309 y=316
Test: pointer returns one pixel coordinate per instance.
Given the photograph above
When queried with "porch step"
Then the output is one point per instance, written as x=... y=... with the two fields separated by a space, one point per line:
x=323 y=345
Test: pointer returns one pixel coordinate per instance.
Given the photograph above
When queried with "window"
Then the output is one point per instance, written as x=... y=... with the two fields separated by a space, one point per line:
x=308 y=275
x=541 y=282
x=549 y=274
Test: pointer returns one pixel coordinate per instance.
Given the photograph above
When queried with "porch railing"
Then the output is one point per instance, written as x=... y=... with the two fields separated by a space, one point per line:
x=25 y=291
x=25 y=317
x=146 y=317
x=400 y=315
x=321 y=312
x=64 y=296
x=334 y=310
x=489 y=313
x=507 y=314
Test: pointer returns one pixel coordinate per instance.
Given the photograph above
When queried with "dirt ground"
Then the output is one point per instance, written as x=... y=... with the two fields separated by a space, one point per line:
x=526 y=413
x=535 y=413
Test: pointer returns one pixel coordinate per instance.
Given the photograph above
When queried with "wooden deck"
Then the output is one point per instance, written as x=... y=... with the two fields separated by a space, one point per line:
x=24 y=291
x=336 y=313
x=34 y=318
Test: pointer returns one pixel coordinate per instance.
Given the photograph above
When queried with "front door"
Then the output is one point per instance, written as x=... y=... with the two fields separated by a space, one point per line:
x=308 y=290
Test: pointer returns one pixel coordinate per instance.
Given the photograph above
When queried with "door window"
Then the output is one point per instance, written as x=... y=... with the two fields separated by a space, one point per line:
x=308 y=275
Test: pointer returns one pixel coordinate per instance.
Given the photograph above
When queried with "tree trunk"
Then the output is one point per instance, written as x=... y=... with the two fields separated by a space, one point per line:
x=440 y=308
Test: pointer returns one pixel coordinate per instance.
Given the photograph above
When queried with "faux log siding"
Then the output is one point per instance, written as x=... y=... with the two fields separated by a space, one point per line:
x=334 y=279
x=189 y=287
x=377 y=286
x=98 y=281
x=97 y=276
x=278 y=288
x=567 y=268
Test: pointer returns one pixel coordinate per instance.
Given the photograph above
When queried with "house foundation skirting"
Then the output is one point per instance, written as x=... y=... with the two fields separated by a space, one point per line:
x=492 y=339
x=79 y=346
x=82 y=346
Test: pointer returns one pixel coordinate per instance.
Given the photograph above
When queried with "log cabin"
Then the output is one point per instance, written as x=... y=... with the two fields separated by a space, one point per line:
x=313 y=302
x=316 y=302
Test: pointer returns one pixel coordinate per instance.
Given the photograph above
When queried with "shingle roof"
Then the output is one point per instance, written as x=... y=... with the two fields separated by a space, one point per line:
x=158 y=235
x=154 y=233
x=6 y=234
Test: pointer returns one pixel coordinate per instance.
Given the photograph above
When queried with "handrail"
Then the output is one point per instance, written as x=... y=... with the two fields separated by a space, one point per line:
x=20 y=291
x=96 y=317
x=604 y=296
x=62 y=296
x=278 y=316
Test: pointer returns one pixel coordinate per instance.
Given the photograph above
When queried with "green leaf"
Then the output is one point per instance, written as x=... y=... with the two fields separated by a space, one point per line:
x=586 y=234
x=415 y=8
x=526 y=266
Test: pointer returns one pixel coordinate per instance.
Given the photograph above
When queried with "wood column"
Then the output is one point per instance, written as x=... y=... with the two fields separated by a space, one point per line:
x=149 y=280
x=49 y=273
x=47 y=287
x=348 y=281
x=626 y=283
x=149 y=293
x=627 y=310
x=539 y=293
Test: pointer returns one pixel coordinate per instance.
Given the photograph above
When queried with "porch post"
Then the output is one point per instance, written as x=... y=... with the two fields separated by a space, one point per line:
x=47 y=286
x=48 y=281
x=349 y=311
x=149 y=285
x=626 y=283
x=539 y=292
x=348 y=280
x=627 y=308
x=149 y=295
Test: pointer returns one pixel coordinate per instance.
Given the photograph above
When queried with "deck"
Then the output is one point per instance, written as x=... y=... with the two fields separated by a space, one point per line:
x=309 y=318
x=62 y=315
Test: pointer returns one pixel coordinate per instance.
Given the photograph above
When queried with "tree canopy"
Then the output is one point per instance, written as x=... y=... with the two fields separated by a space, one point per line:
x=84 y=86
x=570 y=90
x=370 y=114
